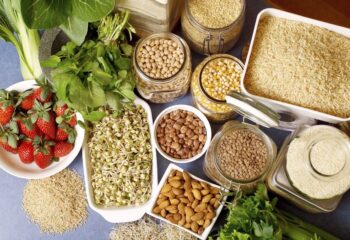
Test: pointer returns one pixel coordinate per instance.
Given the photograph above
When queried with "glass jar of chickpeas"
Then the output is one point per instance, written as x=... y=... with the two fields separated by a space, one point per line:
x=211 y=28
x=212 y=79
x=162 y=63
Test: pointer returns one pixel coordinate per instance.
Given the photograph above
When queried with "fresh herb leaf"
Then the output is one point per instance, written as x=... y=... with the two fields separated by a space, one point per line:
x=94 y=116
x=127 y=49
x=255 y=217
x=95 y=74
x=113 y=100
x=51 y=62
x=123 y=63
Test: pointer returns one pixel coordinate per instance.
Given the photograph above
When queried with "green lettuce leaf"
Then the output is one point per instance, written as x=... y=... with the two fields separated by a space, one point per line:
x=91 y=10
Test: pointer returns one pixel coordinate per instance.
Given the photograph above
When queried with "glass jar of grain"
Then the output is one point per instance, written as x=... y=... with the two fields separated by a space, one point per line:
x=160 y=76
x=221 y=73
x=244 y=174
x=212 y=28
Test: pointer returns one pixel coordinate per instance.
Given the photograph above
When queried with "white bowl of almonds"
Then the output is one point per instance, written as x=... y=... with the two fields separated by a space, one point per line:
x=182 y=133
x=187 y=202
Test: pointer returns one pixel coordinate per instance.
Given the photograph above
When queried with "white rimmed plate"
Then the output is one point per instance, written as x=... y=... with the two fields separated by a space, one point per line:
x=11 y=163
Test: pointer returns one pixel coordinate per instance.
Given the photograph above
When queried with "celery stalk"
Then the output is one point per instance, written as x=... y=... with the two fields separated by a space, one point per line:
x=26 y=41
x=296 y=229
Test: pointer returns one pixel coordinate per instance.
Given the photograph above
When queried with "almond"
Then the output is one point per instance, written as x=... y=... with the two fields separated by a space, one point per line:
x=166 y=188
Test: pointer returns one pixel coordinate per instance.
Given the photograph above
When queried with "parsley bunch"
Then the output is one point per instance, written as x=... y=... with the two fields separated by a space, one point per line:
x=255 y=217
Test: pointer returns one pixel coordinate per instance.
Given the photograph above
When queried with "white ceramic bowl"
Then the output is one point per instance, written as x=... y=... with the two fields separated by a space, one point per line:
x=127 y=213
x=282 y=106
x=11 y=163
x=200 y=115
x=154 y=199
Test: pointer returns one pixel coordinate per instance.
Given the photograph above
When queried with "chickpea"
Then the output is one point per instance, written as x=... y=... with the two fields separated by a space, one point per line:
x=164 y=58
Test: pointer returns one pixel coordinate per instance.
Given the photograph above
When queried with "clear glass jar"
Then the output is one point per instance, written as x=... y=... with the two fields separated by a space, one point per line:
x=209 y=41
x=169 y=89
x=279 y=180
x=212 y=166
x=214 y=109
x=152 y=16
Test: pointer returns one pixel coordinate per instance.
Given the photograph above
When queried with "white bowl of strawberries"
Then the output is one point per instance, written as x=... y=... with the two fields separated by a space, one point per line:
x=39 y=136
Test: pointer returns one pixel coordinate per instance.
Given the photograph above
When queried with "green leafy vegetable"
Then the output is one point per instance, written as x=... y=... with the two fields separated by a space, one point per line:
x=97 y=73
x=26 y=41
x=255 y=217
x=72 y=16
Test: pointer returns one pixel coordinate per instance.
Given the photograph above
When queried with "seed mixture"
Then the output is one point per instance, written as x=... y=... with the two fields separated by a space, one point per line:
x=311 y=72
x=160 y=58
x=220 y=76
x=56 y=204
x=187 y=202
x=181 y=134
x=215 y=14
x=242 y=155
x=148 y=229
x=121 y=158
x=316 y=162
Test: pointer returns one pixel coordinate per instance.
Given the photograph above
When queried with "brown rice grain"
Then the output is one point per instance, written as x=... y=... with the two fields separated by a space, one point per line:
x=56 y=204
x=300 y=64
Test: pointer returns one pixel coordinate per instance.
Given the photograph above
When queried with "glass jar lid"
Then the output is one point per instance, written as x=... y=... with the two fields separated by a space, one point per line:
x=253 y=110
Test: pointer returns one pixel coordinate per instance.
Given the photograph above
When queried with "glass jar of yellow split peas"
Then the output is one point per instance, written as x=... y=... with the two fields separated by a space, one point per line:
x=212 y=79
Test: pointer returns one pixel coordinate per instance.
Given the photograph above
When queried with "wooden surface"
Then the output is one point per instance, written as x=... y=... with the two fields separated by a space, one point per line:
x=332 y=11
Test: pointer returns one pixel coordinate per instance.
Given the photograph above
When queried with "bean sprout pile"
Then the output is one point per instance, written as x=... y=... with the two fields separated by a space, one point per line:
x=121 y=158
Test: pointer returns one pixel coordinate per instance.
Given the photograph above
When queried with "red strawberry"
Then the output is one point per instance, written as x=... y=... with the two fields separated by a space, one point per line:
x=9 y=137
x=68 y=116
x=47 y=125
x=26 y=152
x=47 y=137
x=42 y=94
x=44 y=118
x=43 y=160
x=61 y=134
x=62 y=149
x=28 y=102
x=6 y=106
x=60 y=108
x=28 y=128
x=73 y=121
x=43 y=152
x=6 y=113
x=8 y=148
x=64 y=132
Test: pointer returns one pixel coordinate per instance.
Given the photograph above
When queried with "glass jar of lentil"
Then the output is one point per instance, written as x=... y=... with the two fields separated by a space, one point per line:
x=212 y=79
x=162 y=63
x=212 y=28
x=239 y=156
